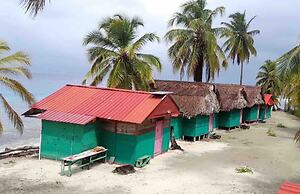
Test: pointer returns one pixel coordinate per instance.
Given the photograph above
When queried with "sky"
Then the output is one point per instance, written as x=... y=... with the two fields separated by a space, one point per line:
x=53 y=39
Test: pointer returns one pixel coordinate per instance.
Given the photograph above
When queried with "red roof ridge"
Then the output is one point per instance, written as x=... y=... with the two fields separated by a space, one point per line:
x=111 y=89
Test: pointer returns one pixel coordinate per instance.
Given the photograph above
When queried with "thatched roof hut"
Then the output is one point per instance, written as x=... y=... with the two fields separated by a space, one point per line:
x=253 y=95
x=231 y=96
x=192 y=98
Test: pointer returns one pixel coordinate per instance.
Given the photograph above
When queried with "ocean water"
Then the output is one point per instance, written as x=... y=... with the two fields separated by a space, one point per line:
x=41 y=85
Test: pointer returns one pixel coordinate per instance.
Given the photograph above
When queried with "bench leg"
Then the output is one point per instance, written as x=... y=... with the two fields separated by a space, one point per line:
x=62 y=168
x=69 y=170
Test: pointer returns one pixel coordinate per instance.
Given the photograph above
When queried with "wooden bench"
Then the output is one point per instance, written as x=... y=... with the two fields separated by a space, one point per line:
x=83 y=159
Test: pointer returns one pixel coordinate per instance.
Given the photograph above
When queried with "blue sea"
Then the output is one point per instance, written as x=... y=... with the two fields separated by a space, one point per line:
x=41 y=85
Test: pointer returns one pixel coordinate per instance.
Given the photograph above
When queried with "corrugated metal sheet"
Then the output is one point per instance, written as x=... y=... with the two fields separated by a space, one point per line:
x=66 y=117
x=289 y=188
x=268 y=99
x=113 y=104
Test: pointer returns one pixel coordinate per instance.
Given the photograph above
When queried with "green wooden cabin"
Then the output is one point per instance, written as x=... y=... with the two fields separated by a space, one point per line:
x=229 y=119
x=232 y=101
x=254 y=102
x=98 y=117
x=265 y=112
x=251 y=114
x=266 y=109
x=198 y=105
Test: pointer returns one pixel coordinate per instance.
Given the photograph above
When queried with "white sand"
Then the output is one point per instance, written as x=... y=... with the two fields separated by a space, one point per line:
x=204 y=167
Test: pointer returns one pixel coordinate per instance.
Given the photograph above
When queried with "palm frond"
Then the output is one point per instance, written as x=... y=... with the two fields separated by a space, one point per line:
x=33 y=6
x=18 y=88
x=18 y=57
x=12 y=115
x=148 y=37
x=16 y=71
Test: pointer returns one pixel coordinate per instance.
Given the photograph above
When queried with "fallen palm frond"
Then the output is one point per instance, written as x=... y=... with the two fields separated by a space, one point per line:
x=280 y=125
x=244 y=169
x=271 y=132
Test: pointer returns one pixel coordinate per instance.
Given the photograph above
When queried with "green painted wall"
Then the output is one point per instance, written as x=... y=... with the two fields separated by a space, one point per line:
x=250 y=114
x=128 y=148
x=269 y=112
x=262 y=115
x=196 y=126
x=63 y=139
x=216 y=121
x=265 y=112
x=230 y=118
x=178 y=127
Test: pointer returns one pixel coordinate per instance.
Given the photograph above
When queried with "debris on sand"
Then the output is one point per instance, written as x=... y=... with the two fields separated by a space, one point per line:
x=174 y=145
x=245 y=126
x=244 y=169
x=124 y=169
x=271 y=133
x=214 y=136
x=19 y=152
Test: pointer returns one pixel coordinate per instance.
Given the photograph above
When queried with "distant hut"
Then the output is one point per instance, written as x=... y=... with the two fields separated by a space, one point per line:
x=130 y=124
x=254 y=101
x=266 y=109
x=198 y=105
x=232 y=99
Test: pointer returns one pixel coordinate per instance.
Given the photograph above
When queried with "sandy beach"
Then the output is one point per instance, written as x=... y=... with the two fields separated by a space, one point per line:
x=204 y=167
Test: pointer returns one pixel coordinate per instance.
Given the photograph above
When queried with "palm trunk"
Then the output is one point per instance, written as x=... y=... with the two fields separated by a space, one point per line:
x=199 y=70
x=241 y=76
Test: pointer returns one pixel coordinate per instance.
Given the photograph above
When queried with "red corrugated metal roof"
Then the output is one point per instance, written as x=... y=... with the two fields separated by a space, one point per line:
x=105 y=103
x=289 y=188
x=66 y=117
x=268 y=99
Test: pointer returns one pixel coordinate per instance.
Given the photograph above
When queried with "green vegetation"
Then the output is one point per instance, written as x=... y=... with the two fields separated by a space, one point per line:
x=194 y=41
x=269 y=79
x=15 y=64
x=239 y=39
x=271 y=133
x=280 y=125
x=33 y=6
x=244 y=169
x=116 y=52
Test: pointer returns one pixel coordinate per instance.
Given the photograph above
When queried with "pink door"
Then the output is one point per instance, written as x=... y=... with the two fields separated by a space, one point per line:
x=211 y=121
x=158 y=136
x=258 y=110
x=241 y=116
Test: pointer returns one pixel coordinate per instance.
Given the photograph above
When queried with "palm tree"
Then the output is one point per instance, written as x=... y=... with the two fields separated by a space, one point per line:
x=289 y=63
x=194 y=41
x=7 y=70
x=115 y=51
x=239 y=40
x=33 y=6
x=269 y=79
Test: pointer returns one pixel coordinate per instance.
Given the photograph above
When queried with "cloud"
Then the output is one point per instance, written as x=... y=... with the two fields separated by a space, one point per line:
x=54 y=38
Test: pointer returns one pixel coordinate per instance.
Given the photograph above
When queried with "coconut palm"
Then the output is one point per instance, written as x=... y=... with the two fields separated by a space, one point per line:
x=269 y=79
x=239 y=39
x=115 y=51
x=34 y=6
x=289 y=63
x=14 y=65
x=194 y=41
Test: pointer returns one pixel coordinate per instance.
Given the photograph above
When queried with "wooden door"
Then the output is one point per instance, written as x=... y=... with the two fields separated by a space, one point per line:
x=241 y=116
x=158 y=136
x=211 y=121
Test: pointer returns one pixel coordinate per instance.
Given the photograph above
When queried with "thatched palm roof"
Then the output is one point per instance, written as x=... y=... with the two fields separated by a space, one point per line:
x=253 y=95
x=192 y=98
x=231 y=96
